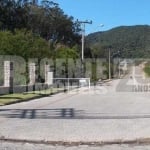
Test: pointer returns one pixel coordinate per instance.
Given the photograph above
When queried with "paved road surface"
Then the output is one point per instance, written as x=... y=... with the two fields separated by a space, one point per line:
x=97 y=115
x=134 y=81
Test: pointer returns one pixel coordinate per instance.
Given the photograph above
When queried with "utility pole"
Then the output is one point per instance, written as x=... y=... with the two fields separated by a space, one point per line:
x=83 y=35
x=82 y=23
x=119 y=67
x=109 y=66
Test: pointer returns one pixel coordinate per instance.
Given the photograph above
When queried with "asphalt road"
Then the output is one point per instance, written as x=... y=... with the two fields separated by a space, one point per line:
x=135 y=81
x=99 y=114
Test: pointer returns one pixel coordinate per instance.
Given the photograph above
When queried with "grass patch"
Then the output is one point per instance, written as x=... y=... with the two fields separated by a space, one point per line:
x=20 y=97
x=147 y=69
x=12 y=98
x=47 y=91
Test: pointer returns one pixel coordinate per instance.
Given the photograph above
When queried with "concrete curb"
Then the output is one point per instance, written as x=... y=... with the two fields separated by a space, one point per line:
x=142 y=141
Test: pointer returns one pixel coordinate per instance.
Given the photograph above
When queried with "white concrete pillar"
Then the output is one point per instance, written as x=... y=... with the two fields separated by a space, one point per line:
x=8 y=73
x=47 y=69
x=32 y=73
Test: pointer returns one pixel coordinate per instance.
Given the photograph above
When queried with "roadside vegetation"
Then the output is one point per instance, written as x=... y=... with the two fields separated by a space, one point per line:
x=21 y=97
x=13 y=98
x=147 y=69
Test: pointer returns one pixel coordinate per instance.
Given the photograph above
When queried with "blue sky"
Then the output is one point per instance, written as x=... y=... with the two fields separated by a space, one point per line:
x=111 y=13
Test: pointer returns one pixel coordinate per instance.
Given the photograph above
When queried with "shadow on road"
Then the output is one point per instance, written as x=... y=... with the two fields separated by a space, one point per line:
x=64 y=113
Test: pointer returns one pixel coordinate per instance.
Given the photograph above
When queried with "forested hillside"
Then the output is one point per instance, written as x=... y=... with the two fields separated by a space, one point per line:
x=30 y=29
x=131 y=41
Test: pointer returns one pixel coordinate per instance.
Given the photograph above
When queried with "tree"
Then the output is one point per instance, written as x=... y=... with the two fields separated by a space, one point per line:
x=46 y=20
x=5 y=45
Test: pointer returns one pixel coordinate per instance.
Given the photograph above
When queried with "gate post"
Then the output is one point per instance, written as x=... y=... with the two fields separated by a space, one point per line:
x=46 y=73
x=31 y=73
x=8 y=75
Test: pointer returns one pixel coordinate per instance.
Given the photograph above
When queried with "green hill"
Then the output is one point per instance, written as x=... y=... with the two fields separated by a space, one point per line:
x=132 y=41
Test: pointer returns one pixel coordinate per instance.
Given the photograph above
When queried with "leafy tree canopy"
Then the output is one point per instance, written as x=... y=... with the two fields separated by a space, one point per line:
x=46 y=20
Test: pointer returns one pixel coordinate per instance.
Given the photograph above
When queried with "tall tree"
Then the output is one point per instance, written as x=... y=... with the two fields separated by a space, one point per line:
x=46 y=20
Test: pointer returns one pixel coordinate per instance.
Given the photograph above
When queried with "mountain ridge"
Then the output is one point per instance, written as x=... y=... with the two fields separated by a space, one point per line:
x=132 y=41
